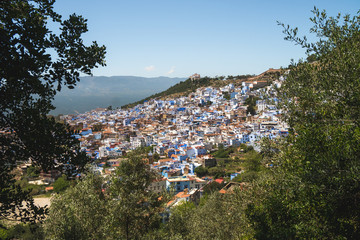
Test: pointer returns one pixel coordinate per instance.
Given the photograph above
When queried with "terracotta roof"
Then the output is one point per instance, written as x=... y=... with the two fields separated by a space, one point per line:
x=165 y=160
x=182 y=195
x=222 y=191
x=169 y=203
x=219 y=180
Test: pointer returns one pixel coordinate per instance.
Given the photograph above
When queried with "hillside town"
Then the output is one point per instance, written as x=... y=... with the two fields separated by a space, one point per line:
x=149 y=120
x=182 y=131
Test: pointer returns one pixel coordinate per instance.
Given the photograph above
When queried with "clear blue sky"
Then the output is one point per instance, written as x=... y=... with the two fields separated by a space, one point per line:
x=177 y=38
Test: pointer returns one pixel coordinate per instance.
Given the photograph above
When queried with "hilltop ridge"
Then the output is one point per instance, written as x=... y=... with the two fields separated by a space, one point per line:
x=190 y=85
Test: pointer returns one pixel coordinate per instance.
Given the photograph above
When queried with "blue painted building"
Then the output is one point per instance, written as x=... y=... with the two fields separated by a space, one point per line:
x=178 y=183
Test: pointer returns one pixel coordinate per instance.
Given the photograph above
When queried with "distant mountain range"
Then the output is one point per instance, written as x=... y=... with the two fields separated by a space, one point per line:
x=116 y=91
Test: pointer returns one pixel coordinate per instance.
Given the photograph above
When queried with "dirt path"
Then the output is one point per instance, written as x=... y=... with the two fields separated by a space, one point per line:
x=41 y=202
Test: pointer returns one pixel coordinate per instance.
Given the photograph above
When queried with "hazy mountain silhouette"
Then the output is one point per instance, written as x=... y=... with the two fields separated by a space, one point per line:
x=94 y=92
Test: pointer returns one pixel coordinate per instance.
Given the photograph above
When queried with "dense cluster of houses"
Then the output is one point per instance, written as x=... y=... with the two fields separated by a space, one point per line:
x=182 y=130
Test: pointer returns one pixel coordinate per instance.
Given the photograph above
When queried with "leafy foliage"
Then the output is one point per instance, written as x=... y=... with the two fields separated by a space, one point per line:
x=126 y=209
x=212 y=187
x=216 y=172
x=156 y=156
x=315 y=189
x=201 y=171
x=222 y=152
x=31 y=188
x=32 y=172
x=79 y=213
x=23 y=231
x=251 y=105
x=97 y=127
x=136 y=210
x=61 y=184
x=221 y=217
x=29 y=80
x=226 y=96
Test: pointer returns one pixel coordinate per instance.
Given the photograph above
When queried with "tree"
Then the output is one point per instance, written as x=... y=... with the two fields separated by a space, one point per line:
x=135 y=211
x=156 y=156
x=315 y=189
x=226 y=95
x=32 y=172
x=221 y=217
x=201 y=171
x=29 y=79
x=177 y=225
x=251 y=105
x=216 y=172
x=97 y=127
x=212 y=187
x=23 y=231
x=268 y=149
x=253 y=161
x=79 y=212
x=61 y=184
x=311 y=58
x=230 y=77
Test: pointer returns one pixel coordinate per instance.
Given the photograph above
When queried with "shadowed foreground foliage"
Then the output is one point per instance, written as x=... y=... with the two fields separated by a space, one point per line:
x=30 y=77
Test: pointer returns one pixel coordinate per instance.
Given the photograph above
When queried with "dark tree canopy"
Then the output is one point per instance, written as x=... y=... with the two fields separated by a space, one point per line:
x=29 y=79
x=251 y=105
